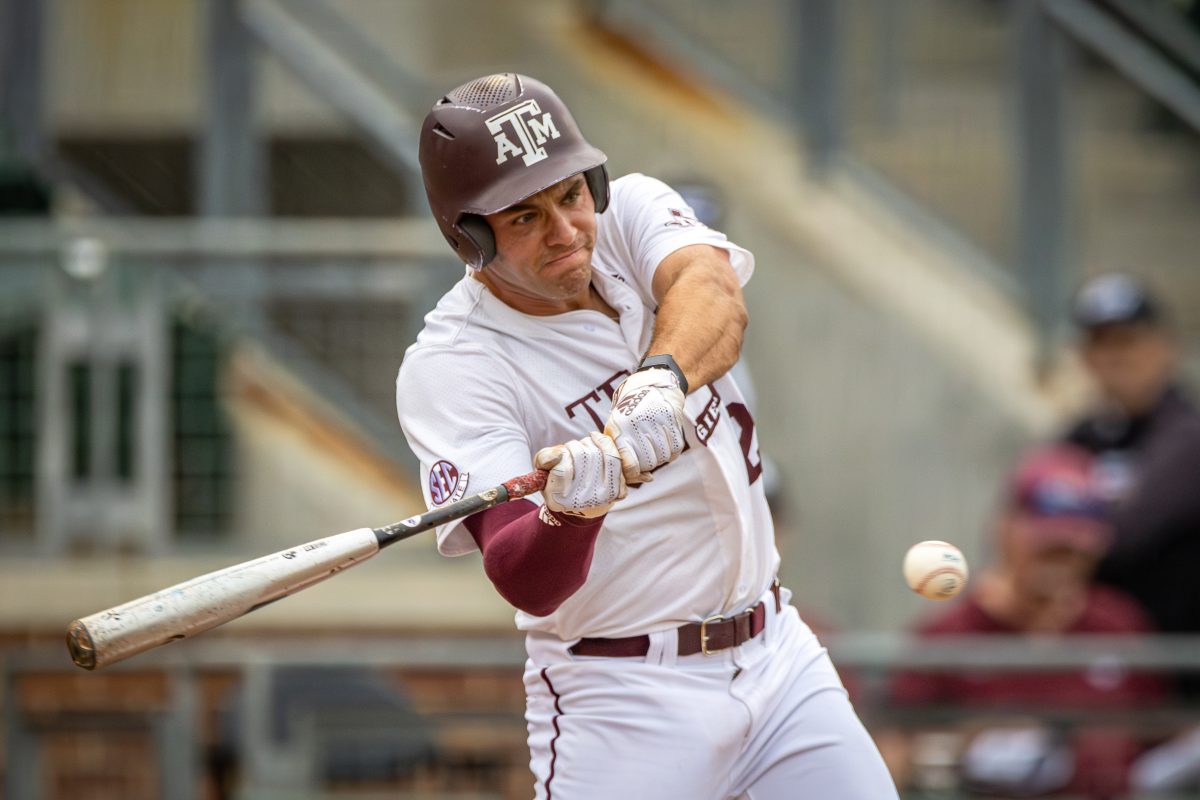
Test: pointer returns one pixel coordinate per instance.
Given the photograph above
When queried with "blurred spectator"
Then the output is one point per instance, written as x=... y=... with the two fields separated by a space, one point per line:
x=1049 y=535
x=1145 y=435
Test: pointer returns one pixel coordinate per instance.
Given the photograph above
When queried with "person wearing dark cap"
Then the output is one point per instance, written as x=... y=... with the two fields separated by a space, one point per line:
x=1145 y=435
x=1049 y=534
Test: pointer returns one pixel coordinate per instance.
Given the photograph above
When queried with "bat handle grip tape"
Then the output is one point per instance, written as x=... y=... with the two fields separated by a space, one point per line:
x=511 y=489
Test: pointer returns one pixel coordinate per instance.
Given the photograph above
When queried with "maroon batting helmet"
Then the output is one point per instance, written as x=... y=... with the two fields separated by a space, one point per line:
x=493 y=142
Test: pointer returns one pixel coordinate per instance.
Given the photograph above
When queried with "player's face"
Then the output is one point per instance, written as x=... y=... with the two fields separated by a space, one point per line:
x=543 y=262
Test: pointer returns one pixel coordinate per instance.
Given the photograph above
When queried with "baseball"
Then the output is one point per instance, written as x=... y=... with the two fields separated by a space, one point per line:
x=936 y=570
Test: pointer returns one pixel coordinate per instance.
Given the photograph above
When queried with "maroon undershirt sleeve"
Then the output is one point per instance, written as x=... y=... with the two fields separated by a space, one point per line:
x=534 y=565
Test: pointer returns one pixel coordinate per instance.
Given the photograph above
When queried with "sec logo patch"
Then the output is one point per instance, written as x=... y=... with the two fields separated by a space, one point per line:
x=446 y=483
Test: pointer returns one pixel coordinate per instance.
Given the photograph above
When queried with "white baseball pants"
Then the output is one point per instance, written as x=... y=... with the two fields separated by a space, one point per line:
x=764 y=721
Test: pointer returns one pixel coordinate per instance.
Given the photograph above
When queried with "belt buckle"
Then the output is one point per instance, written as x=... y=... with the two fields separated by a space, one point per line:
x=704 y=633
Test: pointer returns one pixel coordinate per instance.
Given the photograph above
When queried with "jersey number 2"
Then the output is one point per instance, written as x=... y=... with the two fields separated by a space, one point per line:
x=741 y=415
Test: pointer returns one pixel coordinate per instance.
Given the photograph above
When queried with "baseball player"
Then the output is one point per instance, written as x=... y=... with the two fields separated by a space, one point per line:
x=592 y=336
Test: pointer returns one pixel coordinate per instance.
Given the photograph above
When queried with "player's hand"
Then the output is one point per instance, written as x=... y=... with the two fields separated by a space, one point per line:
x=585 y=476
x=646 y=422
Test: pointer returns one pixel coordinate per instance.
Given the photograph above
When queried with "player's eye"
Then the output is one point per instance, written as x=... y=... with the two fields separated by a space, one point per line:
x=523 y=219
x=570 y=197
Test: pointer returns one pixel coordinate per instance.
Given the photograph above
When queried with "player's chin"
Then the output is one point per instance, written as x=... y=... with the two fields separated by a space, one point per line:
x=575 y=281
x=572 y=272
x=573 y=261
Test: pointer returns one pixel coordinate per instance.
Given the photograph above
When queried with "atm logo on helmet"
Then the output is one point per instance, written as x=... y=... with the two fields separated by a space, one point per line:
x=530 y=130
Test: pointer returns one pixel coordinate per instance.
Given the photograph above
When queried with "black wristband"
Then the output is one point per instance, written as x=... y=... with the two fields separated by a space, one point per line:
x=664 y=361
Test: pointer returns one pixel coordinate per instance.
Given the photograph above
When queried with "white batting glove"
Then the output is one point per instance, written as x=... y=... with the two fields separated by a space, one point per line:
x=585 y=476
x=646 y=422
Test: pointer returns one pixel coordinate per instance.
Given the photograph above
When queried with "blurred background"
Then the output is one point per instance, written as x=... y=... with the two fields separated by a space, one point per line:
x=214 y=249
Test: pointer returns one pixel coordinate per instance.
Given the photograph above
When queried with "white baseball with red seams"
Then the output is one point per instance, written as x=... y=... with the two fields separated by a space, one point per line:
x=936 y=570
x=484 y=388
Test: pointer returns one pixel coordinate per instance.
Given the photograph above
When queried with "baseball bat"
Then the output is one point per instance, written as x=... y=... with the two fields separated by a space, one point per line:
x=199 y=604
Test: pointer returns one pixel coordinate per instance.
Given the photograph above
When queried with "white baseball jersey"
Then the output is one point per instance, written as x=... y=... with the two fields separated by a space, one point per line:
x=485 y=387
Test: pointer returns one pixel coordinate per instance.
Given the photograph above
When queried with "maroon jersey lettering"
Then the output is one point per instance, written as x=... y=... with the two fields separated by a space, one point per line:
x=583 y=401
x=741 y=415
x=706 y=423
x=607 y=388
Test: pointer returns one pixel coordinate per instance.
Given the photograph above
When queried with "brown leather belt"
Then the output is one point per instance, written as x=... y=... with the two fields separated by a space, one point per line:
x=710 y=636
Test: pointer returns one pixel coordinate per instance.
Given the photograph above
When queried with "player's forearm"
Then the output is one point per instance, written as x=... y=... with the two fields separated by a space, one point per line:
x=702 y=320
x=534 y=564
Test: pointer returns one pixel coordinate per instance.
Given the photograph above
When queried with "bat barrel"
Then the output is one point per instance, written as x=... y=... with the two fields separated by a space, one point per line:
x=218 y=597
x=210 y=600
x=80 y=645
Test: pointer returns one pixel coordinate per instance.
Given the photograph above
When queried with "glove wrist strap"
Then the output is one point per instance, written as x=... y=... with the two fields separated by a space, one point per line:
x=664 y=361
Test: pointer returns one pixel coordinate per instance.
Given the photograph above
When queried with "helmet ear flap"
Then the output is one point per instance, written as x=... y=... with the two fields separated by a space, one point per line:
x=597 y=183
x=478 y=233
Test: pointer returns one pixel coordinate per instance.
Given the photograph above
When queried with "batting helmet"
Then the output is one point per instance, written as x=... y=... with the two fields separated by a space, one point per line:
x=493 y=142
